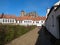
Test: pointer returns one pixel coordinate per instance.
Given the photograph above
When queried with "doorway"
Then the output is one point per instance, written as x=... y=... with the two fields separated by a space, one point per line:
x=59 y=24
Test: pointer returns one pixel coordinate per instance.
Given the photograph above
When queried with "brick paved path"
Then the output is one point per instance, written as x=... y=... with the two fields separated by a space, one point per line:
x=27 y=39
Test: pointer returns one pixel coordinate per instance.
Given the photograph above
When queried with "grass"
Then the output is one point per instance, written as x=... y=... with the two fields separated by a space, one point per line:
x=10 y=32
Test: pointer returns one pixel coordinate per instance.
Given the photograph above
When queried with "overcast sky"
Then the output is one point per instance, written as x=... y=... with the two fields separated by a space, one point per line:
x=15 y=6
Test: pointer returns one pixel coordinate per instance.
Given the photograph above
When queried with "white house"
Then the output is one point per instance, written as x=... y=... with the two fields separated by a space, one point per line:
x=52 y=22
x=30 y=19
x=6 y=19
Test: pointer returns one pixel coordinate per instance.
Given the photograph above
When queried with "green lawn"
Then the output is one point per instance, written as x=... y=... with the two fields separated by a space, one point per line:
x=10 y=32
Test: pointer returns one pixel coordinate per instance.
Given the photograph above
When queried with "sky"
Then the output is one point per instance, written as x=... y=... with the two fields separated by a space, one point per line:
x=14 y=7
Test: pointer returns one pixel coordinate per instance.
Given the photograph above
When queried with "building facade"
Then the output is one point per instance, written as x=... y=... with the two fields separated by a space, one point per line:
x=24 y=19
x=52 y=22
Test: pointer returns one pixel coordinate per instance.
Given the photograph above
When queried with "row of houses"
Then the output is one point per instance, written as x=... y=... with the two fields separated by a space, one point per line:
x=24 y=19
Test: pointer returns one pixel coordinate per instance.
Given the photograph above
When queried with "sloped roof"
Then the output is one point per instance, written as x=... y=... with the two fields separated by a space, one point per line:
x=8 y=16
x=31 y=18
x=39 y=18
x=57 y=3
x=23 y=17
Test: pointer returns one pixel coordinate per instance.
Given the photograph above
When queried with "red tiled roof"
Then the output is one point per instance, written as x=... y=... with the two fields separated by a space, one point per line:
x=30 y=18
x=23 y=18
x=39 y=18
x=8 y=16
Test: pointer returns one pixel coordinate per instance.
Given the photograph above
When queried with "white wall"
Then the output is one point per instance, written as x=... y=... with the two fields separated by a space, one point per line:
x=23 y=22
x=26 y=22
x=8 y=20
x=40 y=23
x=1 y=20
x=31 y=23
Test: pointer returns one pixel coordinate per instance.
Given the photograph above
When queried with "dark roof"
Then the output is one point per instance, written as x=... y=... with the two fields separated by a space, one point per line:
x=52 y=9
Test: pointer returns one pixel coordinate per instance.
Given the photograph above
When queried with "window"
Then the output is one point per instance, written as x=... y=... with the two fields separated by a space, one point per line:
x=20 y=21
x=27 y=21
x=33 y=21
x=8 y=20
x=41 y=21
x=52 y=16
x=4 y=20
x=16 y=21
x=11 y=20
x=52 y=21
x=37 y=22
